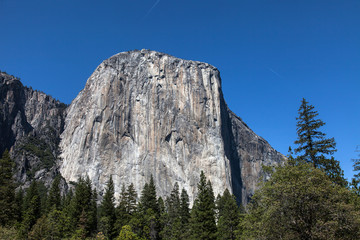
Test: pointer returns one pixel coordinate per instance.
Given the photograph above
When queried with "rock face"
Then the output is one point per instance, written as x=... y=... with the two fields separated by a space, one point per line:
x=146 y=113
x=30 y=127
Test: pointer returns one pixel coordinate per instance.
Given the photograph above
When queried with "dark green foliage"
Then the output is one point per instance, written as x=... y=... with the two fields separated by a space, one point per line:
x=148 y=208
x=311 y=141
x=355 y=182
x=83 y=211
x=162 y=216
x=54 y=198
x=300 y=202
x=50 y=226
x=313 y=146
x=126 y=233
x=39 y=230
x=228 y=216
x=93 y=211
x=107 y=211
x=185 y=214
x=172 y=228
x=8 y=207
x=57 y=221
x=122 y=216
x=8 y=233
x=32 y=209
x=130 y=198
x=126 y=208
x=66 y=200
x=19 y=198
x=184 y=208
x=202 y=223
x=66 y=214
x=148 y=196
x=40 y=149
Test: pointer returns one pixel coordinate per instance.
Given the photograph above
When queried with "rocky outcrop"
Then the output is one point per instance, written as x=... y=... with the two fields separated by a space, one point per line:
x=30 y=126
x=146 y=113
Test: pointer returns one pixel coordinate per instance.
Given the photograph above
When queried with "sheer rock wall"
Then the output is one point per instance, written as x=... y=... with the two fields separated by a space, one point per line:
x=30 y=124
x=146 y=113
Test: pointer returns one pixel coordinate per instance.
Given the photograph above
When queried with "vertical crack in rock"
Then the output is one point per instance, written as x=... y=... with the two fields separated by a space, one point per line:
x=146 y=113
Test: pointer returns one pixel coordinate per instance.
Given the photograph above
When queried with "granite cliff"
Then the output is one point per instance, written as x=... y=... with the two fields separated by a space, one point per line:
x=146 y=113
x=30 y=127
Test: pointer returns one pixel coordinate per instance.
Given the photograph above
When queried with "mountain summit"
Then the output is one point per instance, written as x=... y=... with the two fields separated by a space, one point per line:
x=146 y=113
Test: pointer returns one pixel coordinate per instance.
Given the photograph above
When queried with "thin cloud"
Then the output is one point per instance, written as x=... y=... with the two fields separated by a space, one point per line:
x=152 y=8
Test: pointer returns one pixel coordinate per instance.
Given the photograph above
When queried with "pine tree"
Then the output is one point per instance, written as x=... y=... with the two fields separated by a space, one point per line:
x=126 y=233
x=172 y=222
x=150 y=210
x=162 y=216
x=57 y=222
x=66 y=200
x=131 y=197
x=355 y=182
x=43 y=193
x=300 y=202
x=127 y=206
x=228 y=216
x=313 y=146
x=54 y=198
x=202 y=223
x=67 y=213
x=32 y=209
x=185 y=214
x=148 y=196
x=83 y=204
x=107 y=211
x=93 y=210
x=19 y=198
x=8 y=206
x=122 y=217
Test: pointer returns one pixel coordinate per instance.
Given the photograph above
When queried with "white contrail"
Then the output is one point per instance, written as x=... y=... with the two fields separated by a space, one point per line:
x=152 y=8
x=273 y=71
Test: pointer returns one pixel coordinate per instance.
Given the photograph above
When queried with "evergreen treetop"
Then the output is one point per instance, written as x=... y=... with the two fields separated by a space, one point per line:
x=8 y=207
x=355 y=182
x=107 y=210
x=54 y=198
x=312 y=143
x=203 y=225
x=228 y=216
x=313 y=146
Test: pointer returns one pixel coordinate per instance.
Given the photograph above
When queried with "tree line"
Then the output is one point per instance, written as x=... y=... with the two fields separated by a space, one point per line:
x=77 y=215
x=307 y=197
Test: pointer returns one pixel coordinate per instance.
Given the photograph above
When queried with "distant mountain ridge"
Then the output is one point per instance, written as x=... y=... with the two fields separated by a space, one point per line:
x=141 y=113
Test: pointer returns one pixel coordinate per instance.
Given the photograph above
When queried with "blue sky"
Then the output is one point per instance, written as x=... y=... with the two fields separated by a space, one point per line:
x=271 y=53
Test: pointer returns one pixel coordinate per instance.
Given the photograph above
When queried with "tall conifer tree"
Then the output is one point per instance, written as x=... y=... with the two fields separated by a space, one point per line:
x=149 y=211
x=355 y=182
x=172 y=219
x=313 y=146
x=107 y=211
x=202 y=221
x=83 y=211
x=148 y=196
x=32 y=209
x=54 y=198
x=185 y=214
x=127 y=206
x=228 y=216
x=8 y=206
